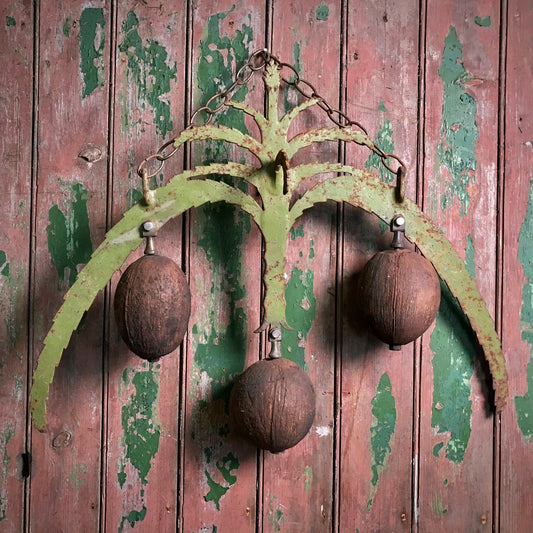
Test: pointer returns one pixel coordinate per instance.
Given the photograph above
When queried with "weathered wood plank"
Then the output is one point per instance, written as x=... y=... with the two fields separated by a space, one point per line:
x=143 y=398
x=16 y=41
x=219 y=486
x=377 y=384
x=460 y=190
x=298 y=483
x=70 y=210
x=516 y=509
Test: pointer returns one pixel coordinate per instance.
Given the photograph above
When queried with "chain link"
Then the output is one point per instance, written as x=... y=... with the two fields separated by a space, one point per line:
x=258 y=61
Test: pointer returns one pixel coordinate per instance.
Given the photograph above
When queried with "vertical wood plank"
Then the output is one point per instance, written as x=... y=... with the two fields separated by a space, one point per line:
x=516 y=512
x=298 y=483
x=377 y=384
x=460 y=190
x=16 y=41
x=225 y=264
x=70 y=208
x=143 y=398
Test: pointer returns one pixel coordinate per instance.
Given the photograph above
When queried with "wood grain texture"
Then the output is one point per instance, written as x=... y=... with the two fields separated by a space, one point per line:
x=143 y=420
x=70 y=215
x=402 y=441
x=224 y=257
x=516 y=513
x=377 y=384
x=461 y=111
x=16 y=99
x=298 y=483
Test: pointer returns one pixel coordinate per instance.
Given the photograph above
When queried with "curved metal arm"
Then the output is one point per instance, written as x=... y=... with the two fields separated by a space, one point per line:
x=120 y=241
x=363 y=189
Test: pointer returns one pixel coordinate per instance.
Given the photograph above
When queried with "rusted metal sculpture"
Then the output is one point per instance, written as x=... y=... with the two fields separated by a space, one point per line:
x=274 y=210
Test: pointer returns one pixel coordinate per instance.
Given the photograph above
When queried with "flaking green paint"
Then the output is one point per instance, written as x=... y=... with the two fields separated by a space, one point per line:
x=300 y=313
x=470 y=256
x=141 y=431
x=133 y=517
x=91 y=44
x=11 y=290
x=308 y=478
x=524 y=404
x=150 y=71
x=10 y=21
x=221 y=348
x=436 y=505
x=484 y=22
x=385 y=141
x=226 y=466
x=381 y=433
x=458 y=132
x=322 y=12
x=69 y=236
x=298 y=232
x=275 y=514
x=290 y=95
x=66 y=27
x=5 y=436
x=454 y=350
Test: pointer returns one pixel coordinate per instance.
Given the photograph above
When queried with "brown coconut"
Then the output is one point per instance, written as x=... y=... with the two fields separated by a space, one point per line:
x=399 y=293
x=273 y=404
x=152 y=306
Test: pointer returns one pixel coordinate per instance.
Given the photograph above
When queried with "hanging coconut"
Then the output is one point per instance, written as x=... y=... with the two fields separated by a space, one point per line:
x=273 y=404
x=152 y=306
x=399 y=293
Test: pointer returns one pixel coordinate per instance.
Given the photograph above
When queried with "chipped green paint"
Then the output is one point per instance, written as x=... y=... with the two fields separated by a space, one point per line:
x=484 y=22
x=290 y=96
x=91 y=44
x=437 y=506
x=459 y=133
x=226 y=466
x=298 y=232
x=381 y=433
x=140 y=425
x=133 y=517
x=4 y=265
x=66 y=27
x=524 y=404
x=322 y=12
x=5 y=436
x=470 y=255
x=385 y=141
x=220 y=349
x=301 y=312
x=275 y=514
x=149 y=71
x=10 y=21
x=141 y=431
x=11 y=284
x=437 y=448
x=308 y=478
x=453 y=349
x=69 y=235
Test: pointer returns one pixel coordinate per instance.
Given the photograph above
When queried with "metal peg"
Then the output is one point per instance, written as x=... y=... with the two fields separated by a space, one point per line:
x=397 y=226
x=274 y=336
x=149 y=231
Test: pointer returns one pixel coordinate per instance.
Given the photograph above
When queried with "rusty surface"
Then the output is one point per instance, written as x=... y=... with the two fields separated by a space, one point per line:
x=273 y=404
x=152 y=306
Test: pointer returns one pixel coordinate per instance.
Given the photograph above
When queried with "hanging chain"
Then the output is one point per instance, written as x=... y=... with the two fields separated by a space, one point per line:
x=258 y=61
